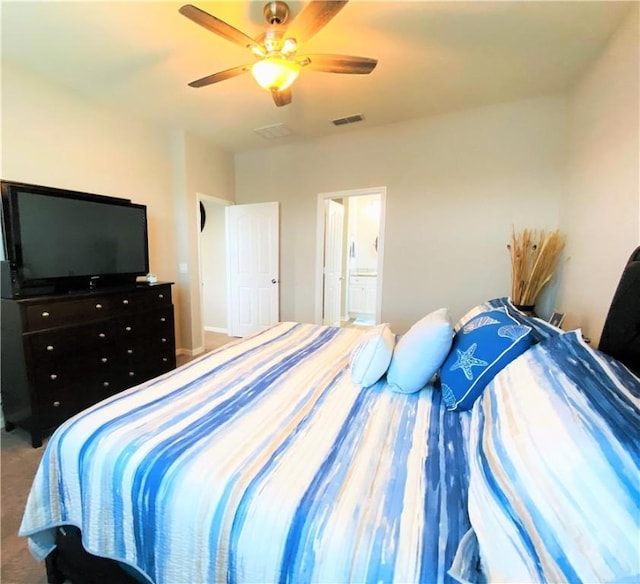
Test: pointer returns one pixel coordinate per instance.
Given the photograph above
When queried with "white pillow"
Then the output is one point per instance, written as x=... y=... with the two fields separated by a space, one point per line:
x=371 y=357
x=420 y=352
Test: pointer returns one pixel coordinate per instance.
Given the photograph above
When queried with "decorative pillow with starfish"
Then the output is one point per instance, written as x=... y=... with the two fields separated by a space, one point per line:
x=481 y=348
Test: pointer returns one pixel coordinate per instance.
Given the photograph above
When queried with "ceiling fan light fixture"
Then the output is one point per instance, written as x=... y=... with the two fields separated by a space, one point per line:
x=277 y=66
x=289 y=46
x=275 y=73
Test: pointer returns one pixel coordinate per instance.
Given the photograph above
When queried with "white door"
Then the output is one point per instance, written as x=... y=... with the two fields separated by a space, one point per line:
x=253 y=270
x=334 y=221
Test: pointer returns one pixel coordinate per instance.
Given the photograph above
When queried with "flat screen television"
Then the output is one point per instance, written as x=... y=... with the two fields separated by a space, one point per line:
x=57 y=240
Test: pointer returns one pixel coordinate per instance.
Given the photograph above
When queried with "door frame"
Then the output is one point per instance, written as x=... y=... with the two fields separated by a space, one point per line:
x=319 y=286
x=328 y=247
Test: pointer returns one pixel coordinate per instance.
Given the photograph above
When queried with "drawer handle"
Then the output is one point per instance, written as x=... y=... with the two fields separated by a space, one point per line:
x=125 y=301
x=131 y=373
x=104 y=359
x=129 y=351
x=98 y=306
x=56 y=404
x=160 y=295
x=45 y=314
x=105 y=384
x=163 y=319
x=53 y=377
x=102 y=335
x=164 y=359
x=49 y=347
x=127 y=328
x=163 y=340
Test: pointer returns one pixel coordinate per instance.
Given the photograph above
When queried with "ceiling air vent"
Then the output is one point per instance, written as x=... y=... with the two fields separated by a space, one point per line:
x=348 y=120
x=273 y=131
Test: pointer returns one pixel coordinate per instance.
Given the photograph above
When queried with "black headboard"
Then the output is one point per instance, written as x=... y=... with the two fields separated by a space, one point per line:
x=621 y=333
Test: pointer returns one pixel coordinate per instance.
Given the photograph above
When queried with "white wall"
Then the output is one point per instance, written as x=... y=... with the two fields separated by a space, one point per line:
x=601 y=212
x=213 y=260
x=456 y=184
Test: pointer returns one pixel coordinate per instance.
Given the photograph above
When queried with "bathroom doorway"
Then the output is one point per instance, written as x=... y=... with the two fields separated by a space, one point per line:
x=349 y=257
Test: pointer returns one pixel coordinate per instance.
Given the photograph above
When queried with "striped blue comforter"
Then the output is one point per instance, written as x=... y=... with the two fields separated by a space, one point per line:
x=261 y=462
x=554 y=494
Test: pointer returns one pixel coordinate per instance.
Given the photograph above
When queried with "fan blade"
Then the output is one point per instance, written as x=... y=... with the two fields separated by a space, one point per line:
x=281 y=98
x=337 y=63
x=217 y=26
x=220 y=76
x=313 y=18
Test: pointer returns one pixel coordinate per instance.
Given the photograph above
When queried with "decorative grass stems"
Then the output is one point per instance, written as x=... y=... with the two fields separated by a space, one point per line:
x=534 y=255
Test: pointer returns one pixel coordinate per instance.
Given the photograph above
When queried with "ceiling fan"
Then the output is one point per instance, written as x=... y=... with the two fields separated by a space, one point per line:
x=278 y=65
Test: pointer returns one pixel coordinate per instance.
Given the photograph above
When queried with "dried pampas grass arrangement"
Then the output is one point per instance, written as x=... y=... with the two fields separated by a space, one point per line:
x=534 y=255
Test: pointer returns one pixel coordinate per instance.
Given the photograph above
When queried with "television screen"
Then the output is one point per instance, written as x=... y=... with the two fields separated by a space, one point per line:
x=58 y=241
x=69 y=237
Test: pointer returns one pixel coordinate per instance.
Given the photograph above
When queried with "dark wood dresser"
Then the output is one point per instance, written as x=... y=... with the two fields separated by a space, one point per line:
x=62 y=354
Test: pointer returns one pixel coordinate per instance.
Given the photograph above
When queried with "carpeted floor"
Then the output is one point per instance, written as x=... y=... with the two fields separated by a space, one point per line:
x=18 y=464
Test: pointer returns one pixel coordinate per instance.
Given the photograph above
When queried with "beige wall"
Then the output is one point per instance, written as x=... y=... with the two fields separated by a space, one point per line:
x=455 y=185
x=199 y=167
x=601 y=212
x=53 y=137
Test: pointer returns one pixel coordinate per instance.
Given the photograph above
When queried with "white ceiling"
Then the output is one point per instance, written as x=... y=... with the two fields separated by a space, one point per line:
x=433 y=57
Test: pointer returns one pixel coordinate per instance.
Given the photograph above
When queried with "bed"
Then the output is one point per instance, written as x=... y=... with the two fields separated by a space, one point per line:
x=265 y=462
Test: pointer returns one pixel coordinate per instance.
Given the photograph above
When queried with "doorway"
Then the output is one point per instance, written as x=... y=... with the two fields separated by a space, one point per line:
x=349 y=257
x=212 y=265
x=238 y=262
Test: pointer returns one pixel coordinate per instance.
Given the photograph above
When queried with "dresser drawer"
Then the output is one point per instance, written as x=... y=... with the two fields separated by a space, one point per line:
x=134 y=355
x=162 y=361
x=143 y=324
x=62 y=395
x=53 y=314
x=158 y=353
x=41 y=316
x=67 y=342
x=153 y=364
x=55 y=406
x=79 y=368
x=137 y=300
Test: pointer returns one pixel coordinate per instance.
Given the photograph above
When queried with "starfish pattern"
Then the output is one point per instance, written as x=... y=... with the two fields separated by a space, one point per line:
x=466 y=361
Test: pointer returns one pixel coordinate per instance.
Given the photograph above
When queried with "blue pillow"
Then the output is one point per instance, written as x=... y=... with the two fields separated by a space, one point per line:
x=541 y=328
x=481 y=348
x=420 y=352
x=372 y=355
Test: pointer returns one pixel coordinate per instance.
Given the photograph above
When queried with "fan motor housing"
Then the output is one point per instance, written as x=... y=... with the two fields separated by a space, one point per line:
x=276 y=12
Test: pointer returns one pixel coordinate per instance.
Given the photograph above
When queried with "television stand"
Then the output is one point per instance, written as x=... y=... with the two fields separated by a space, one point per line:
x=63 y=353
